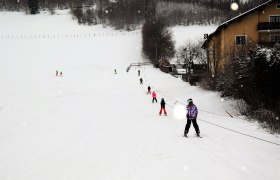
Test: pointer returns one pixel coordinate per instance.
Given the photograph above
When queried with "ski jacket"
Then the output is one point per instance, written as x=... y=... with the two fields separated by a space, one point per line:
x=162 y=104
x=154 y=95
x=192 y=112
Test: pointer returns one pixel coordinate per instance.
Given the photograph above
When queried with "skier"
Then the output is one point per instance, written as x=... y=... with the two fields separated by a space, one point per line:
x=154 y=95
x=138 y=72
x=149 y=90
x=115 y=71
x=60 y=73
x=162 y=107
x=141 y=81
x=191 y=118
x=56 y=73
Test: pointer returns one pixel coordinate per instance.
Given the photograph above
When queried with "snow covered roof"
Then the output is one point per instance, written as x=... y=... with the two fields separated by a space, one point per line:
x=225 y=24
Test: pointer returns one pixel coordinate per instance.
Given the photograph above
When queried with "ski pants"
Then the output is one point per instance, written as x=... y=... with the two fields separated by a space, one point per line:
x=188 y=125
x=154 y=99
x=163 y=111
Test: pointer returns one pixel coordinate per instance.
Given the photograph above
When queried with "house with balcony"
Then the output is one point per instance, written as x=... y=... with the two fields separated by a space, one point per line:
x=260 y=25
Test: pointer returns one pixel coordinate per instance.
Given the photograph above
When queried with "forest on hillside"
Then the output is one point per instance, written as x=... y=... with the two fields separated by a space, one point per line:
x=129 y=14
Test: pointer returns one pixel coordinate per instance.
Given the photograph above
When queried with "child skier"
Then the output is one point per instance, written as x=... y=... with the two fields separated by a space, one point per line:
x=56 y=73
x=154 y=95
x=141 y=81
x=162 y=107
x=191 y=118
x=60 y=73
x=149 y=90
x=138 y=72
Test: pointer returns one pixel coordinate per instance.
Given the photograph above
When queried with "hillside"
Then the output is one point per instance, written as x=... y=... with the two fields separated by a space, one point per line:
x=94 y=124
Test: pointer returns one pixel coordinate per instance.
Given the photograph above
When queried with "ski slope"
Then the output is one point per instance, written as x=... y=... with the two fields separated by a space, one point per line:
x=94 y=124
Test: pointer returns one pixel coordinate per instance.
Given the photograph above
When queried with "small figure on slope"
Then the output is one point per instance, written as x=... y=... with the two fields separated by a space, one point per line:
x=56 y=73
x=115 y=71
x=60 y=73
x=141 y=81
x=154 y=95
x=138 y=72
x=162 y=107
x=191 y=118
x=149 y=90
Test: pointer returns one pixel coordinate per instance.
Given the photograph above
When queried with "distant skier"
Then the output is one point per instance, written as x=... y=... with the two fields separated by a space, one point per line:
x=60 y=73
x=162 y=107
x=154 y=95
x=191 y=118
x=115 y=71
x=149 y=90
x=141 y=81
x=56 y=73
x=138 y=72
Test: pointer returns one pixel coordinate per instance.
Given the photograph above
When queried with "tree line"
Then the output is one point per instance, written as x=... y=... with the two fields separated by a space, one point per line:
x=130 y=13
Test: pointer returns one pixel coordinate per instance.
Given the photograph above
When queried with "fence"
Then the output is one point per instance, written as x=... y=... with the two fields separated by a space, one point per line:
x=67 y=36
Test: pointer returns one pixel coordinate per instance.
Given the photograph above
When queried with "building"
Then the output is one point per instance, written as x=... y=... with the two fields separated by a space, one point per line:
x=260 y=25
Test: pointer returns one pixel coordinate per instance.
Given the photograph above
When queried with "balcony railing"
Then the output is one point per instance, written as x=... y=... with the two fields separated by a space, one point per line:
x=269 y=26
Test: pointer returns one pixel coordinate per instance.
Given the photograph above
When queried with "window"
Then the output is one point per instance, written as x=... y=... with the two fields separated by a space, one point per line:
x=274 y=18
x=275 y=38
x=277 y=6
x=240 y=40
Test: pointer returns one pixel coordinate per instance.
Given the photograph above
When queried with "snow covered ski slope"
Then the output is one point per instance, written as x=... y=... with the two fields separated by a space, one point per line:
x=94 y=124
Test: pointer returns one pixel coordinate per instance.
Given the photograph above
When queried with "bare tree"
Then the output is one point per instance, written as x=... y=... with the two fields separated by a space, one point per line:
x=191 y=53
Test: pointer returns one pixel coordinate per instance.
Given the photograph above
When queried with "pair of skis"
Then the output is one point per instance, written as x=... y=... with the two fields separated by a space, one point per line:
x=198 y=136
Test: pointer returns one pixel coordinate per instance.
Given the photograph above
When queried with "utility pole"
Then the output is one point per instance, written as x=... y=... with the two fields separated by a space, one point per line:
x=156 y=53
x=18 y=5
x=146 y=9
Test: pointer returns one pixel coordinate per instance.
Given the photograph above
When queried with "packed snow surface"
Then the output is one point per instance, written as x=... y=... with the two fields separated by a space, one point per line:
x=94 y=124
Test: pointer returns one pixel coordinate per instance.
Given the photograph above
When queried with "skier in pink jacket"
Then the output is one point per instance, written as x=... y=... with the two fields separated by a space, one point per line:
x=154 y=95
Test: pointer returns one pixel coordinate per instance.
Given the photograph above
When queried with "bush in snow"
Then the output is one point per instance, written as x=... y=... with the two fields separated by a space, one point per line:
x=243 y=107
x=33 y=6
x=77 y=13
x=268 y=119
x=84 y=15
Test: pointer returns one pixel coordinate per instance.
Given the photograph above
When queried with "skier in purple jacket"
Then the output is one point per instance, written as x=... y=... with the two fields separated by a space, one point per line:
x=191 y=118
